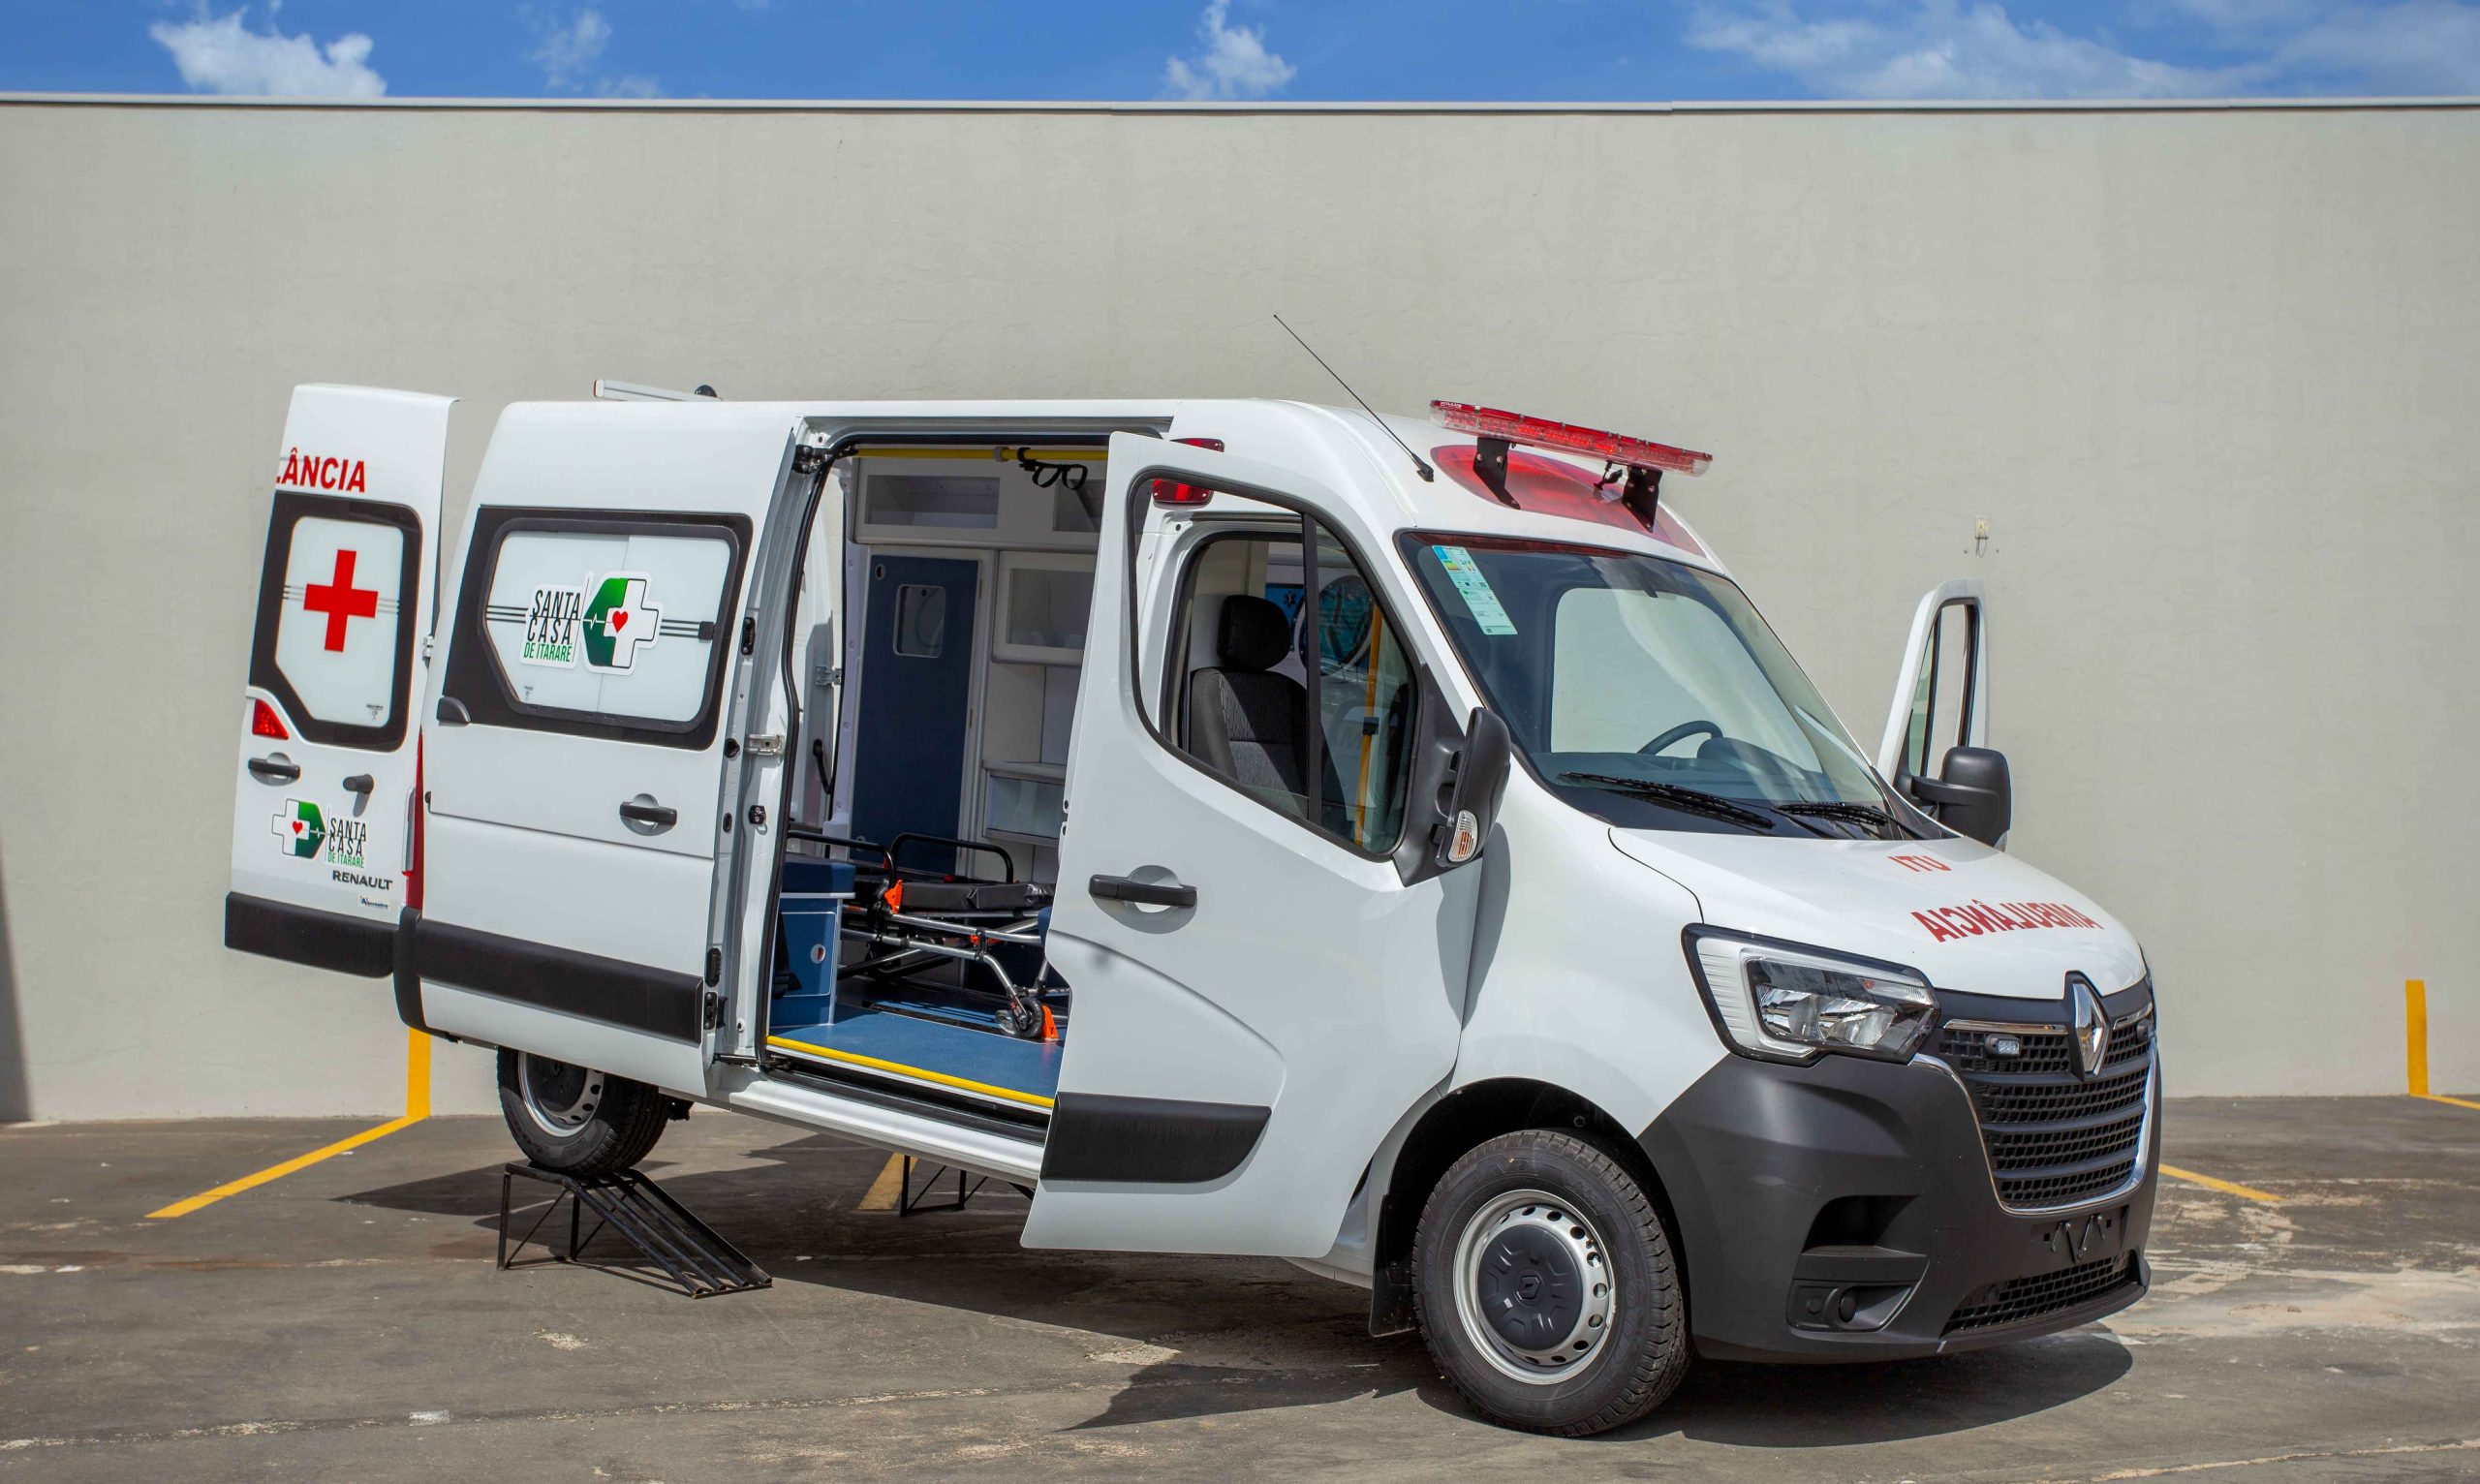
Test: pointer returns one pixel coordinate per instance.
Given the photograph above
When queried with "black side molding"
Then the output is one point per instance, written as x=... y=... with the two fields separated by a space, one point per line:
x=305 y=935
x=632 y=996
x=409 y=980
x=1148 y=1140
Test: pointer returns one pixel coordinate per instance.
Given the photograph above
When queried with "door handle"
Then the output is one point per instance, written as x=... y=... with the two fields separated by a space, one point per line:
x=275 y=768
x=1119 y=889
x=361 y=782
x=650 y=813
x=451 y=712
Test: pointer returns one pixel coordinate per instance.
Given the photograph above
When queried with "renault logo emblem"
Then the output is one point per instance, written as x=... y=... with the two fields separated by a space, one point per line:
x=2092 y=1027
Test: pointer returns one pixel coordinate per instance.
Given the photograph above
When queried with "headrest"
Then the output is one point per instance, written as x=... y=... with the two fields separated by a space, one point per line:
x=1255 y=634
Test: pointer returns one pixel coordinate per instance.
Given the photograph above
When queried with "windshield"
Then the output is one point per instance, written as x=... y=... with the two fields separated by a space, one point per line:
x=1648 y=693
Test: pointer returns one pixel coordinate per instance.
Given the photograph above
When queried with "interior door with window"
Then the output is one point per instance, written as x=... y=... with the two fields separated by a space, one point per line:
x=1942 y=690
x=324 y=787
x=579 y=750
x=1259 y=995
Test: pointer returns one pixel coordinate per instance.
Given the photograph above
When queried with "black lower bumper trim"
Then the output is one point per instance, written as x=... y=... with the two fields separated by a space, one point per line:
x=305 y=935
x=1844 y=1211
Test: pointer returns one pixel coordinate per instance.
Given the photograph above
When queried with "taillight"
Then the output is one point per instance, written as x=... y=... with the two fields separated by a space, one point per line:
x=1567 y=438
x=1173 y=492
x=264 y=723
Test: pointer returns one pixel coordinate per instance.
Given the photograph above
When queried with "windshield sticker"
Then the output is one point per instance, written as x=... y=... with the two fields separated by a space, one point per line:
x=1973 y=919
x=1482 y=603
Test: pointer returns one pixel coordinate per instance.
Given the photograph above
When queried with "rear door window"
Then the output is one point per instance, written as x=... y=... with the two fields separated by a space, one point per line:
x=333 y=640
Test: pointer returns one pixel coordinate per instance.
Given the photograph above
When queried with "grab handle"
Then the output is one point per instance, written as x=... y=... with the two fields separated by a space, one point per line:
x=1119 y=889
x=274 y=769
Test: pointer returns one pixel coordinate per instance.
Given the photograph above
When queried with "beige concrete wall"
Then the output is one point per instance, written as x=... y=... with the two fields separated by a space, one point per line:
x=2208 y=374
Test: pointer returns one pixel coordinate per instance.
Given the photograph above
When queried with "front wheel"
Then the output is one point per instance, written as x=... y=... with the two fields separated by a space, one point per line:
x=1546 y=1286
x=574 y=1119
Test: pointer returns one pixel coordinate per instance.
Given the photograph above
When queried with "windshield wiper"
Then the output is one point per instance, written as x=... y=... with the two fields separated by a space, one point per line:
x=1850 y=811
x=1678 y=796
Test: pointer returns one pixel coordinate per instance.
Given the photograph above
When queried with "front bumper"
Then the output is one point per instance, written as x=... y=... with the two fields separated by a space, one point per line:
x=1846 y=1211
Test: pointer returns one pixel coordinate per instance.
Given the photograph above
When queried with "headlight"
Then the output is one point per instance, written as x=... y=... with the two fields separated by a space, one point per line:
x=1784 y=1002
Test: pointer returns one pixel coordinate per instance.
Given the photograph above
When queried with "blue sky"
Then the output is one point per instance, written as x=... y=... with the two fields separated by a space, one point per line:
x=1286 y=50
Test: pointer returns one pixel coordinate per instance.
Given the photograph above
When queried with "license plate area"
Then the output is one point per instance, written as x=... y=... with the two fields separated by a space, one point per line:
x=2071 y=1241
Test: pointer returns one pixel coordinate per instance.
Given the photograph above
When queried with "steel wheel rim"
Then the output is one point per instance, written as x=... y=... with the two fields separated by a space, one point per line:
x=559 y=1096
x=1533 y=1287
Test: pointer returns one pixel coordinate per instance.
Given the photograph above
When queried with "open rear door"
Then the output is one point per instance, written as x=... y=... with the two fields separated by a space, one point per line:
x=1260 y=995
x=324 y=787
x=1942 y=690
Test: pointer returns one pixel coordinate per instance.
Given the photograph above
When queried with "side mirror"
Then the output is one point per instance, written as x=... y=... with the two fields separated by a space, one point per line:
x=1475 y=792
x=1459 y=775
x=1974 y=795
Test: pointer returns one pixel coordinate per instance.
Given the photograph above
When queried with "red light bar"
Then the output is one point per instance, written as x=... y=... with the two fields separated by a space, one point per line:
x=1173 y=492
x=1567 y=438
x=264 y=723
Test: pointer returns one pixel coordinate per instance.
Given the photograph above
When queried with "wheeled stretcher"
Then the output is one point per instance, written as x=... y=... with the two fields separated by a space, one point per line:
x=912 y=918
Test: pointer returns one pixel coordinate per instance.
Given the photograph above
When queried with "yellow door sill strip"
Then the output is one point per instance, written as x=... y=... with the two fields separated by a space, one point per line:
x=923 y=1074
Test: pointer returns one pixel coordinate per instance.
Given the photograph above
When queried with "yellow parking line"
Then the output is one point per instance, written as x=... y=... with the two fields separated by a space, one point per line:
x=2225 y=1187
x=882 y=1194
x=417 y=1108
x=2460 y=1102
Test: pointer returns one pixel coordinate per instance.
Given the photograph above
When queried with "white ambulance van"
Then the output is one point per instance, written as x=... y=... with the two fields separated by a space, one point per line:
x=1393 y=845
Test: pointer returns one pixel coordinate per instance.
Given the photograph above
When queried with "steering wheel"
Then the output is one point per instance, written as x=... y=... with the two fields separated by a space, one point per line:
x=1677 y=733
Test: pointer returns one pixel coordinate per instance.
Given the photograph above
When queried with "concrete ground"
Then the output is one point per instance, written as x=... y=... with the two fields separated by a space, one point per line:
x=345 y=1322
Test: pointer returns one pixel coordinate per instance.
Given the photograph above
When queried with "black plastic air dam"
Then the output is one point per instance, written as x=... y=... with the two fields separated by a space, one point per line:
x=1754 y=1151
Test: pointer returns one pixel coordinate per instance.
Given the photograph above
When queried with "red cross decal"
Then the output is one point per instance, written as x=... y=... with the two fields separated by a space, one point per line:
x=341 y=600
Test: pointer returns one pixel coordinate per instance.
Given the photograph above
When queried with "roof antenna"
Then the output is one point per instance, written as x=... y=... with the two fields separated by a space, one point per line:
x=1426 y=472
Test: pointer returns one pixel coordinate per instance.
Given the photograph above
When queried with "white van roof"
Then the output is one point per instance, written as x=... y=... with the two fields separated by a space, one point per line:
x=1345 y=449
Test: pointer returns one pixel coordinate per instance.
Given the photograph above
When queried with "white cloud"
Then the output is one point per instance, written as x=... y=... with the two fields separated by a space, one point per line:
x=1234 y=64
x=1948 y=49
x=219 y=55
x=631 y=85
x=2420 y=47
x=569 y=52
x=1940 y=49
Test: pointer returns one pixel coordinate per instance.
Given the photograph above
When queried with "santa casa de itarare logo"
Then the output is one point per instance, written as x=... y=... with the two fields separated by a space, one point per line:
x=300 y=828
x=605 y=628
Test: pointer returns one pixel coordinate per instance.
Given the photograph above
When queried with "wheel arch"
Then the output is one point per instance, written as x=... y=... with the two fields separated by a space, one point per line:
x=1443 y=1133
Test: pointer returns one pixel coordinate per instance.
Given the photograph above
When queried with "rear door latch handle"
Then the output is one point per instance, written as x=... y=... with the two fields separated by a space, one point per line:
x=361 y=782
x=275 y=768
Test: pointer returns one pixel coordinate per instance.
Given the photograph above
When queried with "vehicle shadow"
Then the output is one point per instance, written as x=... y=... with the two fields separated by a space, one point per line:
x=1215 y=1336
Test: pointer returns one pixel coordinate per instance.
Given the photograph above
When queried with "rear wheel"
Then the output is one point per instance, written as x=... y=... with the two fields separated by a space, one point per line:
x=574 y=1119
x=1546 y=1286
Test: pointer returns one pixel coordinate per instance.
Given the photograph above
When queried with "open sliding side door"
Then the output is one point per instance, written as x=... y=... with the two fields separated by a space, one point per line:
x=324 y=786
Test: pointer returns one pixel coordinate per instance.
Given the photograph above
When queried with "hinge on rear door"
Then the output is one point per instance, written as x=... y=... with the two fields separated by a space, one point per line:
x=769 y=745
x=714 y=1016
x=749 y=636
x=807 y=460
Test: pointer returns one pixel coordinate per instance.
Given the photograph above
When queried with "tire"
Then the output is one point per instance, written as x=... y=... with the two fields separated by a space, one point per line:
x=1554 y=1235
x=575 y=1120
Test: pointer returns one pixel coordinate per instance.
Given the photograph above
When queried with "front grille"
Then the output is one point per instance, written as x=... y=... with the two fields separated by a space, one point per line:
x=2018 y=1299
x=2055 y=1138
